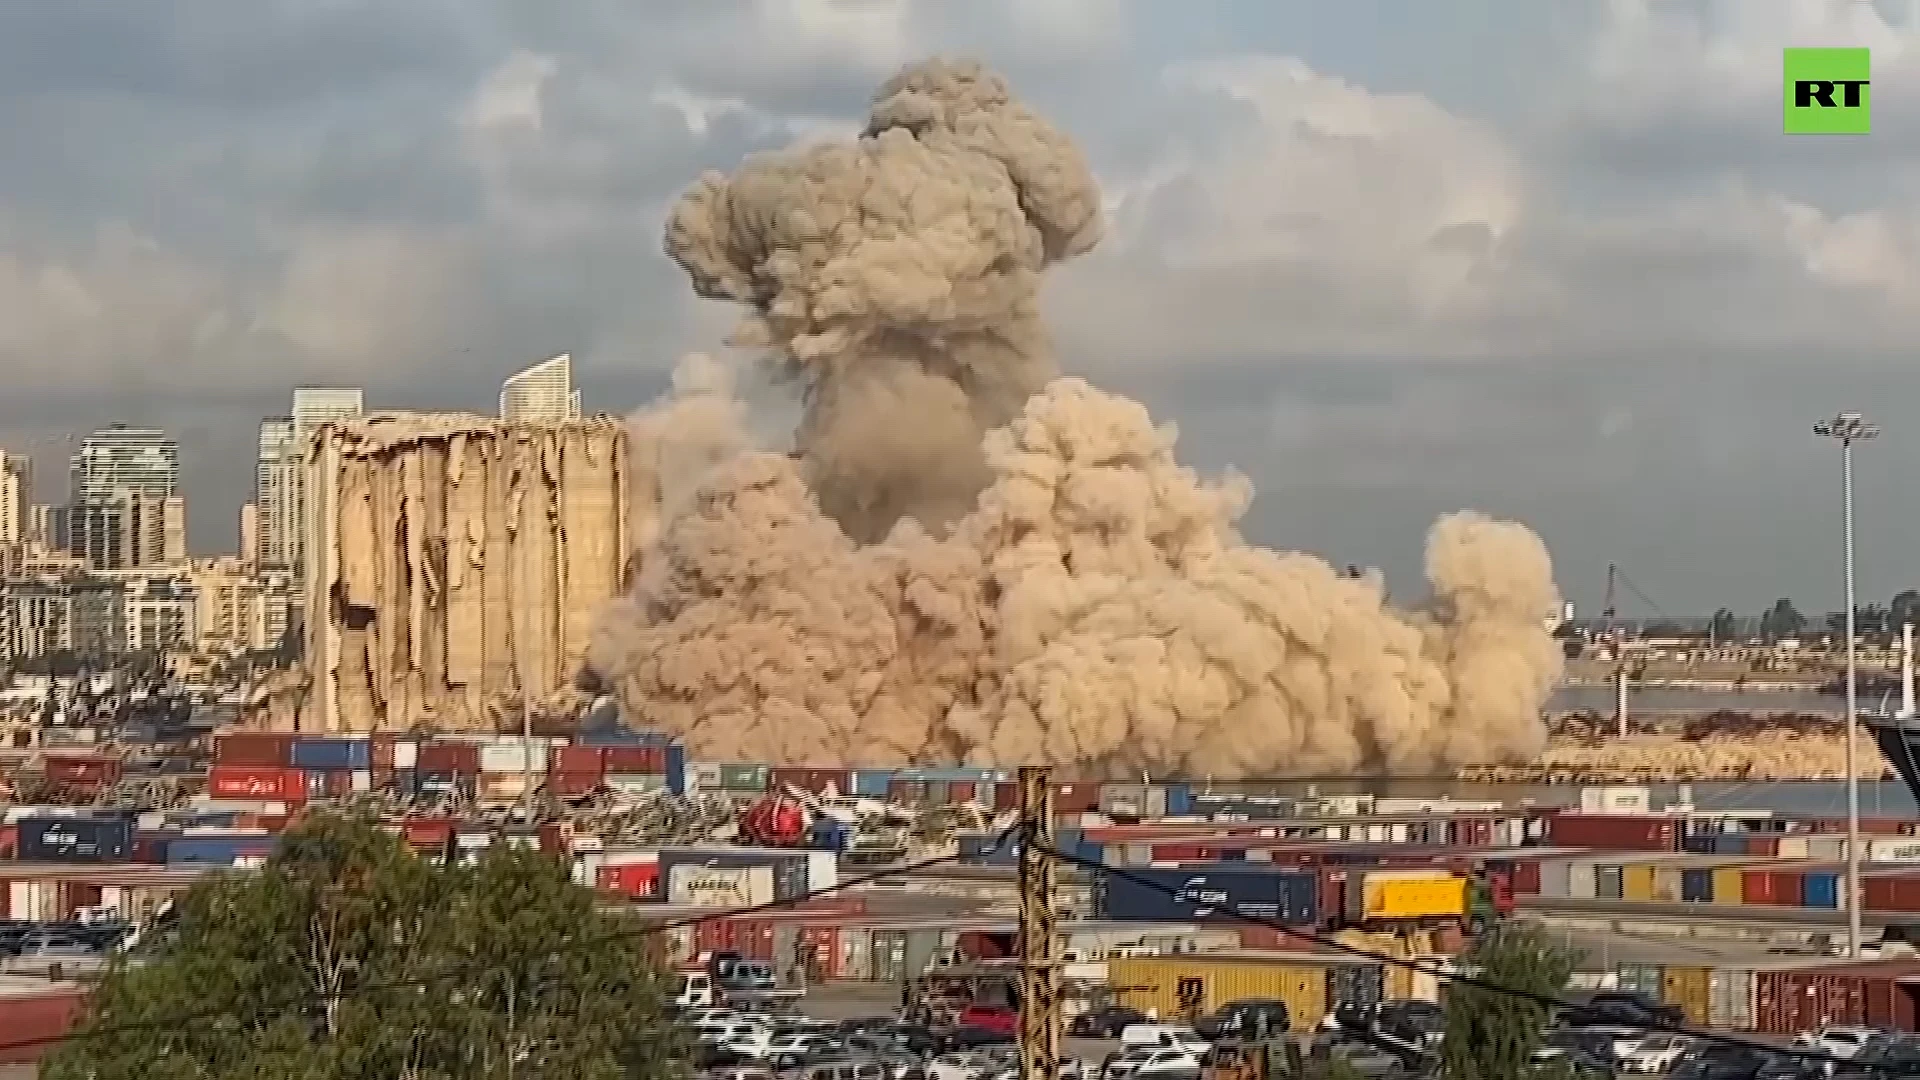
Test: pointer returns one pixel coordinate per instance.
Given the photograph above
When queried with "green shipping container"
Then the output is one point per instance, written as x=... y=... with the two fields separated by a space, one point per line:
x=1648 y=979
x=743 y=777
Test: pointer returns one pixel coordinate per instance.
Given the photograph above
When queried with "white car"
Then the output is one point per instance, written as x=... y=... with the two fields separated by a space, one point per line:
x=1655 y=1054
x=1841 y=1042
x=959 y=1067
x=792 y=1044
x=1149 y=1060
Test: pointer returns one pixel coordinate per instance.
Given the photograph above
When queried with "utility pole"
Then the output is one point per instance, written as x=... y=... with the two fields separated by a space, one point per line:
x=1848 y=428
x=1039 y=960
x=526 y=757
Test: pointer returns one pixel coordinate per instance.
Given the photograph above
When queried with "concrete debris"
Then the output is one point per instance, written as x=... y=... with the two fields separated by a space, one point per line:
x=457 y=563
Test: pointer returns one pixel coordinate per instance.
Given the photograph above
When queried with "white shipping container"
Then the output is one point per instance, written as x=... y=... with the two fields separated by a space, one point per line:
x=512 y=757
x=1582 y=882
x=1730 y=1004
x=703 y=776
x=362 y=780
x=1892 y=849
x=823 y=870
x=1400 y=834
x=406 y=754
x=1621 y=799
x=635 y=783
x=1556 y=878
x=733 y=887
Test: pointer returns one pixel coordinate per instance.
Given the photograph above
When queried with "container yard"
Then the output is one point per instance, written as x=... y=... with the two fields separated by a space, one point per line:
x=1733 y=917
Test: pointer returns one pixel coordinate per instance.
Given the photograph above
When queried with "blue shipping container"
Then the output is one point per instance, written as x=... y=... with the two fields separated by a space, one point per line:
x=333 y=754
x=1092 y=851
x=1696 y=885
x=216 y=850
x=76 y=839
x=624 y=737
x=1699 y=843
x=826 y=834
x=1731 y=843
x=1194 y=894
x=962 y=774
x=871 y=782
x=1179 y=800
x=676 y=769
x=1822 y=890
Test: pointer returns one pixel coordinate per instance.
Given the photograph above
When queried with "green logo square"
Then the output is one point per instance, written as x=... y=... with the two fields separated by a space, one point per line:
x=1825 y=92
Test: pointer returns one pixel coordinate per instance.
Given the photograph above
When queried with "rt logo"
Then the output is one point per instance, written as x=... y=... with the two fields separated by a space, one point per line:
x=1825 y=92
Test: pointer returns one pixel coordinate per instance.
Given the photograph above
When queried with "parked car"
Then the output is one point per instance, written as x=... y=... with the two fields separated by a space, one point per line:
x=1841 y=1041
x=1253 y=1018
x=1153 y=1061
x=1104 y=1023
x=1633 y=1009
x=1653 y=1054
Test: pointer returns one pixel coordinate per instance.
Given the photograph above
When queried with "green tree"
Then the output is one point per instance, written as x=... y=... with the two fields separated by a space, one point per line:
x=1903 y=608
x=1493 y=1035
x=1782 y=621
x=1724 y=628
x=347 y=956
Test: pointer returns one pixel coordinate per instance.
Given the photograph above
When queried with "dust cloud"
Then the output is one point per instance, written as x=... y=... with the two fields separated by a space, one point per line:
x=967 y=558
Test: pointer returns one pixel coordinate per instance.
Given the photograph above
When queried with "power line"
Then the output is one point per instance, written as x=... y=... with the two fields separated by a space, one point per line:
x=422 y=982
x=1477 y=983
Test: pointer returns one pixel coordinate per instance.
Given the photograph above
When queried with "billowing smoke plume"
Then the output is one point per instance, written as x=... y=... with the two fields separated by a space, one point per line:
x=969 y=559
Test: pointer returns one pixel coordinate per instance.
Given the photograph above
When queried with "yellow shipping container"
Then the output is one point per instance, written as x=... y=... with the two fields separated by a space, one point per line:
x=1691 y=988
x=1666 y=884
x=1173 y=986
x=1729 y=885
x=1399 y=982
x=1414 y=898
x=1636 y=881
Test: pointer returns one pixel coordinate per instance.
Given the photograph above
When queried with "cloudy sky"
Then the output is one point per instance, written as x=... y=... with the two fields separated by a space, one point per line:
x=1551 y=260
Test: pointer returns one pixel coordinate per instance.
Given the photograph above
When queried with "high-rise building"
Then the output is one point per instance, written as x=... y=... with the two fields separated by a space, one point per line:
x=127 y=531
x=120 y=458
x=543 y=393
x=16 y=495
x=249 y=531
x=279 y=487
x=43 y=530
x=276 y=494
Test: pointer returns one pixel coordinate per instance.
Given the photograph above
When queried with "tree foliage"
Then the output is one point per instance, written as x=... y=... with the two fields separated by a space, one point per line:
x=1492 y=1035
x=1782 y=620
x=348 y=956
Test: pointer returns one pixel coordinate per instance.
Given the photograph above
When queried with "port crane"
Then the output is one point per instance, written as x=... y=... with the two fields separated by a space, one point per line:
x=1613 y=637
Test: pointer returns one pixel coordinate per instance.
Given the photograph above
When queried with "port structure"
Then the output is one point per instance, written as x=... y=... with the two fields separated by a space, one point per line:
x=1039 y=962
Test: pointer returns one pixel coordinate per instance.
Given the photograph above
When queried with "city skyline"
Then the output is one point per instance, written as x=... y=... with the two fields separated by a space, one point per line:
x=1585 y=288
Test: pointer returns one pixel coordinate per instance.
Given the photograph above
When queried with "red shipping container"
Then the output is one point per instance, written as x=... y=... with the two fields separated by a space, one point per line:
x=1333 y=895
x=633 y=880
x=645 y=760
x=961 y=791
x=459 y=758
x=1075 y=798
x=820 y=952
x=35 y=1023
x=276 y=783
x=253 y=748
x=584 y=760
x=572 y=785
x=9 y=841
x=1790 y=1002
x=1767 y=847
x=429 y=833
x=816 y=781
x=1613 y=832
x=1006 y=796
x=1756 y=887
x=1526 y=877
x=86 y=770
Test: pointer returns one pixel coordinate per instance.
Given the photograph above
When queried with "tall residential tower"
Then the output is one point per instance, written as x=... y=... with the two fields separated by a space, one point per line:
x=542 y=394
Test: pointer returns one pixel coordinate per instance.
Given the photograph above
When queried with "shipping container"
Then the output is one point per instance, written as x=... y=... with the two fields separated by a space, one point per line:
x=746 y=778
x=76 y=839
x=454 y=758
x=82 y=771
x=278 y=783
x=1648 y=979
x=193 y=850
x=1820 y=890
x=591 y=761
x=572 y=785
x=1728 y=885
x=706 y=886
x=636 y=783
x=791 y=871
x=635 y=759
x=332 y=754
x=1731 y=1008
x=37 y=1021
x=1636 y=882
x=1609 y=882
x=1166 y=985
x=1791 y=1001
x=1614 y=832
x=1179 y=799
x=816 y=781
x=1691 y=988
x=1190 y=894
x=502 y=758
x=271 y=749
x=1389 y=896
x=871 y=782
x=1361 y=984
x=427 y=833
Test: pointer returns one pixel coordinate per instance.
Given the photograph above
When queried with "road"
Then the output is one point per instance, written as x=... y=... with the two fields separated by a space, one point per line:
x=844 y=1001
